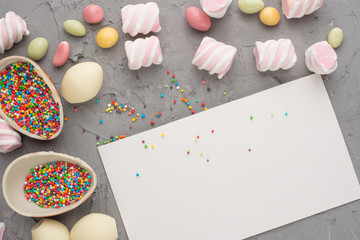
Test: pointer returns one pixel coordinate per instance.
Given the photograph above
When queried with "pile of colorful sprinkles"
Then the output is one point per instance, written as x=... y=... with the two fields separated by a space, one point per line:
x=27 y=100
x=56 y=184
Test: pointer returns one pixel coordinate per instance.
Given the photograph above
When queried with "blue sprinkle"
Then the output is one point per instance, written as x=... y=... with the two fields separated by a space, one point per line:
x=162 y=95
x=137 y=175
x=101 y=121
x=196 y=100
x=97 y=100
x=143 y=115
x=286 y=114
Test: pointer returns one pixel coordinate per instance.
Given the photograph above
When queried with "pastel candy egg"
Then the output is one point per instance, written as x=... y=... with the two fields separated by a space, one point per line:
x=93 y=13
x=95 y=226
x=62 y=54
x=37 y=48
x=269 y=16
x=74 y=28
x=250 y=6
x=82 y=82
x=197 y=19
x=335 y=37
x=107 y=37
x=50 y=229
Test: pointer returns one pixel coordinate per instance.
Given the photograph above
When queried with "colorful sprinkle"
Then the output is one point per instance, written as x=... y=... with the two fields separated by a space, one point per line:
x=203 y=82
x=162 y=95
x=143 y=115
x=28 y=101
x=146 y=146
x=137 y=175
x=152 y=146
x=162 y=135
x=56 y=184
x=251 y=117
x=152 y=122
x=286 y=114
x=101 y=121
x=167 y=72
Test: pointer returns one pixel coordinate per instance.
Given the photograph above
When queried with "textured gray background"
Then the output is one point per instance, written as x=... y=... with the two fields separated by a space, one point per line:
x=179 y=43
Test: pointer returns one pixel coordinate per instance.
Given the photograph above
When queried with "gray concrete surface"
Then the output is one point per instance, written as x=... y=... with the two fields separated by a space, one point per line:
x=138 y=88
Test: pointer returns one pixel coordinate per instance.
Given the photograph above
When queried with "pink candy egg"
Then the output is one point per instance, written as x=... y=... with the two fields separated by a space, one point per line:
x=93 y=13
x=197 y=19
x=62 y=54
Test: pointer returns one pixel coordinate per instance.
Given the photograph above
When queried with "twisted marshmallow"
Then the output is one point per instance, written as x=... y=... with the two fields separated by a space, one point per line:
x=140 y=18
x=2 y=230
x=321 y=58
x=214 y=56
x=9 y=138
x=12 y=29
x=273 y=55
x=143 y=52
x=215 y=8
x=299 y=8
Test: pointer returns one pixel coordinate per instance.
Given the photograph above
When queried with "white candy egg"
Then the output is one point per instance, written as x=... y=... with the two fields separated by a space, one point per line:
x=82 y=82
x=95 y=226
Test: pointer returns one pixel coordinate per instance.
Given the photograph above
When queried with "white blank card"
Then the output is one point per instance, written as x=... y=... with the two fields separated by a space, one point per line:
x=236 y=170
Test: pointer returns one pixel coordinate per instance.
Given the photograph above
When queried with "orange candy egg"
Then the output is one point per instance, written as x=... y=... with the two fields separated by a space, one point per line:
x=270 y=16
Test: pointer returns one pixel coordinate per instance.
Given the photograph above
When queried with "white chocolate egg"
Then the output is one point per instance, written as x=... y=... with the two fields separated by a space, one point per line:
x=95 y=226
x=50 y=229
x=82 y=82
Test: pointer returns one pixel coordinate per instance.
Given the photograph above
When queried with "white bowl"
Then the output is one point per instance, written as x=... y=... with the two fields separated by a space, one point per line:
x=12 y=59
x=15 y=176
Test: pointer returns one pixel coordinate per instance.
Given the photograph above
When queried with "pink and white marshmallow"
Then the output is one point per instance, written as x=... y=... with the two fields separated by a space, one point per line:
x=273 y=55
x=140 y=18
x=321 y=58
x=214 y=57
x=9 y=138
x=2 y=230
x=12 y=30
x=215 y=8
x=143 y=52
x=299 y=8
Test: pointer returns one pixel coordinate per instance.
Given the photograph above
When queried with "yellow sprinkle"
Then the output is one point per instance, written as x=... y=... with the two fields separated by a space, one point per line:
x=106 y=110
x=115 y=104
x=182 y=90
x=205 y=109
x=112 y=108
x=190 y=107
x=163 y=135
x=152 y=146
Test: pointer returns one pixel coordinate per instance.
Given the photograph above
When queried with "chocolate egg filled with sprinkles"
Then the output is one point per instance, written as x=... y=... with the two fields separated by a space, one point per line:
x=29 y=100
x=56 y=184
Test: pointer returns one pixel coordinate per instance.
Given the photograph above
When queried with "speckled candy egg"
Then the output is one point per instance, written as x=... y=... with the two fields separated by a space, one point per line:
x=93 y=13
x=269 y=16
x=197 y=19
x=37 y=48
x=82 y=82
x=74 y=28
x=107 y=37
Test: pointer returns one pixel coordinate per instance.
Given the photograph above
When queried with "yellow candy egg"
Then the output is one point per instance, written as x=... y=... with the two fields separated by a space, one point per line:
x=270 y=16
x=107 y=37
